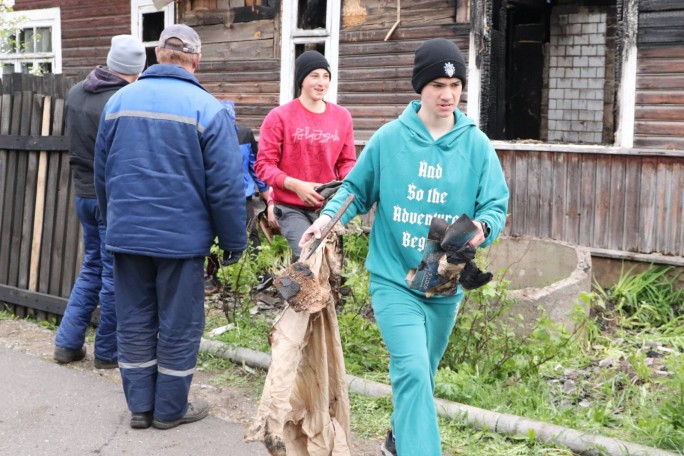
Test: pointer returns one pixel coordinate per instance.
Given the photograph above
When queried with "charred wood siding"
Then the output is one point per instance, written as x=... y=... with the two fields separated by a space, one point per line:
x=659 y=114
x=617 y=203
x=239 y=63
x=375 y=75
x=87 y=29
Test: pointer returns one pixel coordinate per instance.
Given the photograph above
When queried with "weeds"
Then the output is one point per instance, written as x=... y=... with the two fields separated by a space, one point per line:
x=619 y=374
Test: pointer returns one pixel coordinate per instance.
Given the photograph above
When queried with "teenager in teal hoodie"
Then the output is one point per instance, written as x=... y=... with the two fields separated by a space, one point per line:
x=432 y=161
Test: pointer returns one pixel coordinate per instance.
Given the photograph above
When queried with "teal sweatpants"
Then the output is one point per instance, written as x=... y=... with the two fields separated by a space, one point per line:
x=416 y=333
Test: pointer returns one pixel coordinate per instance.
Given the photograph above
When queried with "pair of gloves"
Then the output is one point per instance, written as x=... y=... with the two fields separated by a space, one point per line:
x=471 y=276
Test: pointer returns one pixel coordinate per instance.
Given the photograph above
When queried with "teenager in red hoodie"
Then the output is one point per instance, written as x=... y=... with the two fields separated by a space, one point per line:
x=303 y=144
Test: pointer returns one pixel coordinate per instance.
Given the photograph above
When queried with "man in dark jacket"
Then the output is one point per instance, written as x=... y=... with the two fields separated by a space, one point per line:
x=84 y=105
x=168 y=179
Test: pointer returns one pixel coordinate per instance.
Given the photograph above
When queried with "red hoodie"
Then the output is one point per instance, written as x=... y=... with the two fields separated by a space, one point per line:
x=311 y=147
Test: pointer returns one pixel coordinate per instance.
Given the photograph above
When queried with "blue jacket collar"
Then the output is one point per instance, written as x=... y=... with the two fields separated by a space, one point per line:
x=171 y=70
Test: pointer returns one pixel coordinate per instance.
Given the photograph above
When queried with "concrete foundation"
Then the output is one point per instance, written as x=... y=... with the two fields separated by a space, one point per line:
x=543 y=274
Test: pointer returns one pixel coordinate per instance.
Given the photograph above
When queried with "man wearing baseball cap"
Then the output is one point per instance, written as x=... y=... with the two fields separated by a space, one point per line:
x=168 y=176
x=430 y=163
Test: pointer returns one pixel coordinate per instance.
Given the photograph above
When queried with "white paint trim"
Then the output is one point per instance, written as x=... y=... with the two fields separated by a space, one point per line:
x=474 y=82
x=624 y=136
x=289 y=19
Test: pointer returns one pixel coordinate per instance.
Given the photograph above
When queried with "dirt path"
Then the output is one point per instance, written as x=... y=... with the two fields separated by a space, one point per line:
x=233 y=404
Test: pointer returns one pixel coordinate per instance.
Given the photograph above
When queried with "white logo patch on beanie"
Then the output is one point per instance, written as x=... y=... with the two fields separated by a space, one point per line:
x=449 y=69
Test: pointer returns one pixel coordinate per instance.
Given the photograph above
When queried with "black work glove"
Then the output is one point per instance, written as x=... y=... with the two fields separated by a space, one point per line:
x=329 y=189
x=230 y=257
x=462 y=255
x=471 y=277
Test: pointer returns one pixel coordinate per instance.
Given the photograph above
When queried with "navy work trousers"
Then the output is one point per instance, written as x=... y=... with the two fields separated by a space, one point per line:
x=160 y=310
x=94 y=284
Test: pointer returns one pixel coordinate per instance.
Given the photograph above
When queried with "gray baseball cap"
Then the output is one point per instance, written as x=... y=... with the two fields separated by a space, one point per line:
x=190 y=40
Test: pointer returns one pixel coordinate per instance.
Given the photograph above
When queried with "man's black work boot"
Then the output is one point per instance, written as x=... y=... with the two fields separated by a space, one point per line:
x=388 y=448
x=141 y=420
x=67 y=355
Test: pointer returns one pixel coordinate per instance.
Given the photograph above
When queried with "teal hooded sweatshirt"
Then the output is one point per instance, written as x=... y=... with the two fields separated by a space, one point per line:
x=413 y=178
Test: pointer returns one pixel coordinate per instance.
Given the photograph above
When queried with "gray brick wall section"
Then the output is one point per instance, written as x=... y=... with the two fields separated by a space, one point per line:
x=577 y=77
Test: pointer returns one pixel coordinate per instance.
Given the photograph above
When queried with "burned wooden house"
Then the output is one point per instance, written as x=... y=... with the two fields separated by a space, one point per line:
x=584 y=100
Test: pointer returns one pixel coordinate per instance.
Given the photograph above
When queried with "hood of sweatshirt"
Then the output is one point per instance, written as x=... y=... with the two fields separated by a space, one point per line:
x=421 y=135
x=102 y=80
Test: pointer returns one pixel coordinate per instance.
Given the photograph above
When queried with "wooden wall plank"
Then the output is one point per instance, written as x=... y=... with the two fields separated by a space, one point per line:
x=588 y=200
x=546 y=189
x=647 y=201
x=572 y=200
x=534 y=196
x=615 y=225
x=560 y=167
x=631 y=214
x=601 y=201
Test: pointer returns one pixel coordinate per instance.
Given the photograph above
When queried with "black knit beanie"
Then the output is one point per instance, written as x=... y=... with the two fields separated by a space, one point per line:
x=307 y=62
x=437 y=58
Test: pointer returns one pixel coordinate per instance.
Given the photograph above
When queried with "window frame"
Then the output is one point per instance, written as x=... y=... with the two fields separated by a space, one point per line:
x=140 y=7
x=37 y=18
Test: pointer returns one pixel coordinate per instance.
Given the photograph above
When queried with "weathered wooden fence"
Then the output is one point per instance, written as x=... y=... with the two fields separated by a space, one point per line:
x=40 y=251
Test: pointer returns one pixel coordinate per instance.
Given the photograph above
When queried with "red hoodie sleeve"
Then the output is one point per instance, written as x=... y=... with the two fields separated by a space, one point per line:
x=271 y=151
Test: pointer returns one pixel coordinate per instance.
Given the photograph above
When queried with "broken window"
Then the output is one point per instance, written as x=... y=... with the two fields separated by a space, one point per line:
x=551 y=71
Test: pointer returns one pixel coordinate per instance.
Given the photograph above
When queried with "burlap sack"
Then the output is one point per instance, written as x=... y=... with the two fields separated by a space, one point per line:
x=304 y=408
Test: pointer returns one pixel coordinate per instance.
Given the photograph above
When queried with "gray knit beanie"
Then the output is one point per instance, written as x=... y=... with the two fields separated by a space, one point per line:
x=127 y=55
x=437 y=58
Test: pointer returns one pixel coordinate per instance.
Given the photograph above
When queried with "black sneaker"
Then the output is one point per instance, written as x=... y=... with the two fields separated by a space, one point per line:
x=102 y=364
x=67 y=355
x=388 y=448
x=196 y=411
x=141 y=420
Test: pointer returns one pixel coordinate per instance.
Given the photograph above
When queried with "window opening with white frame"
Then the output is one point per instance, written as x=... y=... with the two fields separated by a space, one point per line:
x=34 y=42
x=147 y=22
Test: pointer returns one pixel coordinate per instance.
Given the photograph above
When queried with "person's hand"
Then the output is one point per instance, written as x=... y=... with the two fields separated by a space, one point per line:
x=230 y=257
x=314 y=231
x=479 y=237
x=272 y=220
x=306 y=191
